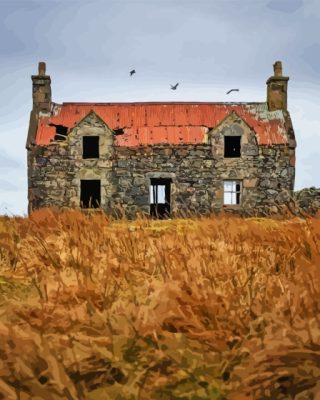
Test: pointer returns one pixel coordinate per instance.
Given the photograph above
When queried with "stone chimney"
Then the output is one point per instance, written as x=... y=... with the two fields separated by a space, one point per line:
x=41 y=89
x=277 y=86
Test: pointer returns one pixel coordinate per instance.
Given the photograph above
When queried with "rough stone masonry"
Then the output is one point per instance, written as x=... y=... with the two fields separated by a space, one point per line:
x=204 y=157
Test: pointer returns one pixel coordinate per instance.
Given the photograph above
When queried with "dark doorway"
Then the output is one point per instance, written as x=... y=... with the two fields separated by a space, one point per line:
x=90 y=193
x=90 y=146
x=160 y=197
x=232 y=146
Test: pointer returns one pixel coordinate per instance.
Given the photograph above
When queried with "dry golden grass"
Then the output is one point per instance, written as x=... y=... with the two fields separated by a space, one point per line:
x=192 y=309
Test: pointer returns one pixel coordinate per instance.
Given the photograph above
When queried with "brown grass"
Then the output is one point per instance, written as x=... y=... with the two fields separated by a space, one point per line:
x=209 y=308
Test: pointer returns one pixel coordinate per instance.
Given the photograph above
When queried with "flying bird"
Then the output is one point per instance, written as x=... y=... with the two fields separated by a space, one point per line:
x=174 y=87
x=233 y=90
x=132 y=72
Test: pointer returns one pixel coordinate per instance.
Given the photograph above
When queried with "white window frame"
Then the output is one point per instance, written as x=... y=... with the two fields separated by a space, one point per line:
x=230 y=192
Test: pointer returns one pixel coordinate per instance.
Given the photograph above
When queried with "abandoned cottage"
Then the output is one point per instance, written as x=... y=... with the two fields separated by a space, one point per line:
x=160 y=158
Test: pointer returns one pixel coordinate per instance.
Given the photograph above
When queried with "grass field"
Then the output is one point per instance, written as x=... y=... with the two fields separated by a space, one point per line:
x=189 y=309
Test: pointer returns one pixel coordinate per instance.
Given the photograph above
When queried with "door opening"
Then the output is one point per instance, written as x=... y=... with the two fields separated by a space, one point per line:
x=160 y=197
x=90 y=193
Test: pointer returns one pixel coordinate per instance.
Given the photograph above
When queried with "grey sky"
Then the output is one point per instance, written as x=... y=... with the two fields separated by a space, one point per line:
x=209 y=46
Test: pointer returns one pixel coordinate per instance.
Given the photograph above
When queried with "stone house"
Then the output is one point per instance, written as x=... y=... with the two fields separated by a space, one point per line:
x=160 y=158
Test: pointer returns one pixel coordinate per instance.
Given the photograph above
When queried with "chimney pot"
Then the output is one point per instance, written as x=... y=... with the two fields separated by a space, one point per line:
x=277 y=87
x=277 y=68
x=42 y=68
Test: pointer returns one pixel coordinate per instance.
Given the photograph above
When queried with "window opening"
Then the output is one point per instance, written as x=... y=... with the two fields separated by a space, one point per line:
x=232 y=146
x=90 y=146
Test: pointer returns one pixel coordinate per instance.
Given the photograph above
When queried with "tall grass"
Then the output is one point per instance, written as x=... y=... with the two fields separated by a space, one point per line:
x=217 y=307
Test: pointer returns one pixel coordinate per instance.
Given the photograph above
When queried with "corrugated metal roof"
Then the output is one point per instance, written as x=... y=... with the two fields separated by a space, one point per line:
x=173 y=123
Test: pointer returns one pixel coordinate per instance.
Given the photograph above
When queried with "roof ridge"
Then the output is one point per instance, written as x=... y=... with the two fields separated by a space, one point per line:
x=166 y=102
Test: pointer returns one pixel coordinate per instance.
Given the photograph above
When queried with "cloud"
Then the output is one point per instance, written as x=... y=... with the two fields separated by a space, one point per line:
x=6 y=186
x=14 y=20
x=311 y=56
x=5 y=208
x=11 y=44
x=311 y=164
x=8 y=162
x=285 y=6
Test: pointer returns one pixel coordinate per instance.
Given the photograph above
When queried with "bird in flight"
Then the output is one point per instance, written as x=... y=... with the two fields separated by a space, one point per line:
x=174 y=87
x=233 y=90
x=132 y=72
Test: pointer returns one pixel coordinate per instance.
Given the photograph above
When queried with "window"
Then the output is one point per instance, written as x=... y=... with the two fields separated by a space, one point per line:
x=232 y=192
x=160 y=197
x=90 y=146
x=232 y=146
x=90 y=193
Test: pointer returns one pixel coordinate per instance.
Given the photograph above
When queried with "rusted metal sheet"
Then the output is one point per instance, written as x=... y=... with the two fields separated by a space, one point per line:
x=45 y=133
x=173 y=123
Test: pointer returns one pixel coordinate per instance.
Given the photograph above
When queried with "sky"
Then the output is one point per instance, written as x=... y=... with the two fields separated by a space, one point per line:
x=208 y=46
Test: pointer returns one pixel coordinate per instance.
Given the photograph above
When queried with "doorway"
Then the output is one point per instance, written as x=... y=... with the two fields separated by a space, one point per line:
x=160 y=197
x=90 y=193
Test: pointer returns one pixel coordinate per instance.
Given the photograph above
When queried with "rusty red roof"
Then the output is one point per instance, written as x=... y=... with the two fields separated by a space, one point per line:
x=173 y=123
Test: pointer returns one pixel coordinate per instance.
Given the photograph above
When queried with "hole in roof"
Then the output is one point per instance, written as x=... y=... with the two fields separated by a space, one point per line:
x=61 y=132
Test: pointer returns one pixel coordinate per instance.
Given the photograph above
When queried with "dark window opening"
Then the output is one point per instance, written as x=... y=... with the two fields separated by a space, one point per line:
x=61 y=132
x=90 y=196
x=160 y=198
x=232 y=146
x=90 y=146
x=232 y=192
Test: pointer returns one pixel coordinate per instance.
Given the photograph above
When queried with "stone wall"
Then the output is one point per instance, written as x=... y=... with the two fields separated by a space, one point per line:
x=308 y=199
x=197 y=172
x=197 y=178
